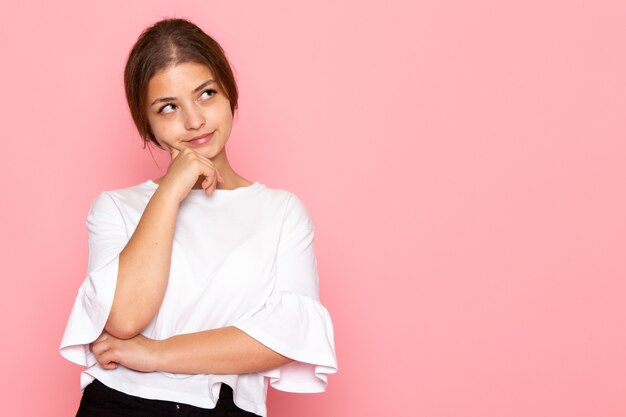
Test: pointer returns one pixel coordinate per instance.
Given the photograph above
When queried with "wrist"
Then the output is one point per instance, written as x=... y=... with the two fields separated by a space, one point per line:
x=163 y=192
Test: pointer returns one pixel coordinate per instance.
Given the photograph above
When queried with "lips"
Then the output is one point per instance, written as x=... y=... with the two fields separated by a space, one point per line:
x=198 y=140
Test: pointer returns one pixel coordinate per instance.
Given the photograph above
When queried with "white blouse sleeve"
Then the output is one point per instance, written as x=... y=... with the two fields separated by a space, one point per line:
x=107 y=236
x=293 y=322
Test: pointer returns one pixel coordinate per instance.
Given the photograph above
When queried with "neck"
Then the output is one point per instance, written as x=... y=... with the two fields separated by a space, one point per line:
x=232 y=180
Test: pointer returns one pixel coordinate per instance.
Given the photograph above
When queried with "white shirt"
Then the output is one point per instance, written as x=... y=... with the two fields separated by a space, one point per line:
x=243 y=258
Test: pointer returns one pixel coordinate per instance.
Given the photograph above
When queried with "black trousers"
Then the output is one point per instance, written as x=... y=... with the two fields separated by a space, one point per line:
x=98 y=400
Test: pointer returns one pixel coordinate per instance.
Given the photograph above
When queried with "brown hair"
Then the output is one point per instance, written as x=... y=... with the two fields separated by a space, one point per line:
x=169 y=42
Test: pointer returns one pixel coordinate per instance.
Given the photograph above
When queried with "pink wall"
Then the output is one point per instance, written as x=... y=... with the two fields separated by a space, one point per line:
x=463 y=163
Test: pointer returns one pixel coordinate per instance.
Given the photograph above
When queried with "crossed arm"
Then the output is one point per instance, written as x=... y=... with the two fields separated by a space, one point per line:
x=143 y=271
x=225 y=350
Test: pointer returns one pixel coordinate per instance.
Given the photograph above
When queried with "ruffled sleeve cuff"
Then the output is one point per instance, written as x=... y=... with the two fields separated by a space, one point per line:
x=299 y=327
x=89 y=314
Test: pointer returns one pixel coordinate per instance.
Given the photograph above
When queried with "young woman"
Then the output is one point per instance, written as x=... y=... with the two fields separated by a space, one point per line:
x=202 y=285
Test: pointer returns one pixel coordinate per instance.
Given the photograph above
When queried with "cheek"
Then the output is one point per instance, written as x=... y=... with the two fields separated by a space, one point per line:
x=161 y=128
x=226 y=116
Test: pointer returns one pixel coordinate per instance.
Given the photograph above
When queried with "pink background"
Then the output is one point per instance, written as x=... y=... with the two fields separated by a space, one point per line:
x=463 y=163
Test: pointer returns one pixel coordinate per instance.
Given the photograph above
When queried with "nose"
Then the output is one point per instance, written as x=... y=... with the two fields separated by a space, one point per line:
x=194 y=119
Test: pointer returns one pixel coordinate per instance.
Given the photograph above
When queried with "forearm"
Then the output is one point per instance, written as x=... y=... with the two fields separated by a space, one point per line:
x=144 y=266
x=226 y=350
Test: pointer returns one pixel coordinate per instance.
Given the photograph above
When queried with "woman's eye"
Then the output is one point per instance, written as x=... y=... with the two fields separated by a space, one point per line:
x=205 y=93
x=168 y=108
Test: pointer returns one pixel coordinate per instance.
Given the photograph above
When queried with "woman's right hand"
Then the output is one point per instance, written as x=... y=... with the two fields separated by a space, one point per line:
x=185 y=168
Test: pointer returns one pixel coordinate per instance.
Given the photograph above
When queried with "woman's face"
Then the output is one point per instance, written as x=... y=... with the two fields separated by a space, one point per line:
x=184 y=102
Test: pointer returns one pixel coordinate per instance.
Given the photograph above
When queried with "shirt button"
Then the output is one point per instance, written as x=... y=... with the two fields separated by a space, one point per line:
x=177 y=407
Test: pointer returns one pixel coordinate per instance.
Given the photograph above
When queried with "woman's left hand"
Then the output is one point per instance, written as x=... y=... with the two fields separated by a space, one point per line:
x=138 y=353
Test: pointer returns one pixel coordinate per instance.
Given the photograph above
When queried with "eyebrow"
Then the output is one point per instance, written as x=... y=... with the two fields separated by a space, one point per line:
x=195 y=90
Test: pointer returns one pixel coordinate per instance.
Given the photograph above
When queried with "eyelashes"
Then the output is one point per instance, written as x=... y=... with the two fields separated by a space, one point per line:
x=173 y=106
x=209 y=90
x=163 y=108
